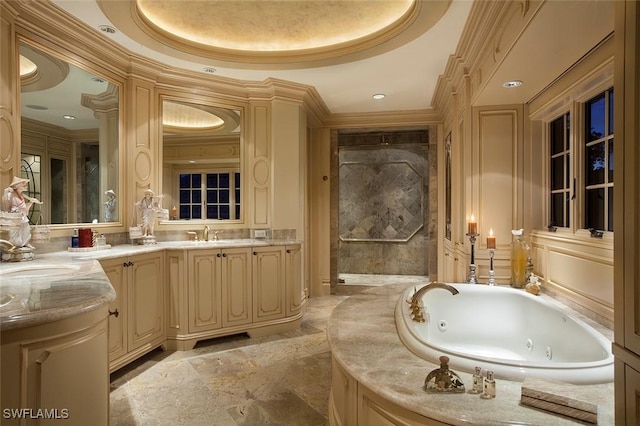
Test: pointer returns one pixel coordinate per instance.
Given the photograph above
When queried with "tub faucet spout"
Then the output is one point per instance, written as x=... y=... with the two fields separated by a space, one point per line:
x=415 y=303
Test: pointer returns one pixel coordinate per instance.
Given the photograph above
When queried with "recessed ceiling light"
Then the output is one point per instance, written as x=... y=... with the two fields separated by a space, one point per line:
x=512 y=83
x=379 y=96
x=69 y=117
x=209 y=70
x=107 y=29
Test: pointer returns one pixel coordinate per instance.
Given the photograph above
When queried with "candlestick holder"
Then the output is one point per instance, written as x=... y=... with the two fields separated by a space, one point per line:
x=492 y=273
x=472 y=279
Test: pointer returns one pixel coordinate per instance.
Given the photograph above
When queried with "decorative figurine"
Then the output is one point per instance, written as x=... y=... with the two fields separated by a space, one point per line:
x=533 y=286
x=149 y=207
x=110 y=206
x=443 y=379
x=16 y=206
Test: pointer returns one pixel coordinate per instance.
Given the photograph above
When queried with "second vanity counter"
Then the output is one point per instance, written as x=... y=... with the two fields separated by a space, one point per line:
x=172 y=293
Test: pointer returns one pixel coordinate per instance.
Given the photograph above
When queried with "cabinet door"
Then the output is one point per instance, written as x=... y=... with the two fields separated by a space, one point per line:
x=69 y=372
x=145 y=299
x=205 y=290
x=293 y=280
x=632 y=390
x=236 y=287
x=115 y=269
x=268 y=272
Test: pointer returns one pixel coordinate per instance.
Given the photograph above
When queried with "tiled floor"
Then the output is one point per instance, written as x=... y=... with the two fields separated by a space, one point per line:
x=276 y=380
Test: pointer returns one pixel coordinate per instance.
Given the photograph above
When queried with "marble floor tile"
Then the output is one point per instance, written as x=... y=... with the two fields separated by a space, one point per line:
x=282 y=379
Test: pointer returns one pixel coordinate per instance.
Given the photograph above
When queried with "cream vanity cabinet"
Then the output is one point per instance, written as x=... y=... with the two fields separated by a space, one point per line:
x=219 y=289
x=230 y=290
x=269 y=285
x=136 y=316
x=60 y=367
x=293 y=280
x=277 y=282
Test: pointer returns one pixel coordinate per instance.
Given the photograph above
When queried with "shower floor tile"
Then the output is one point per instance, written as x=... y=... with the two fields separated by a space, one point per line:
x=379 y=279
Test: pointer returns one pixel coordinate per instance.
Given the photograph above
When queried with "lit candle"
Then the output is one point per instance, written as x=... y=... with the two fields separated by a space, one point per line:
x=473 y=226
x=491 y=240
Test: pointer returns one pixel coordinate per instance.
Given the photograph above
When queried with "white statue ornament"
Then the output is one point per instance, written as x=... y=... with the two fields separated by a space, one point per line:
x=110 y=211
x=15 y=218
x=148 y=207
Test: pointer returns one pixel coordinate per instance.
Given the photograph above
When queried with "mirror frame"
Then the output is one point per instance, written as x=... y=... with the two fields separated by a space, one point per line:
x=88 y=66
x=214 y=101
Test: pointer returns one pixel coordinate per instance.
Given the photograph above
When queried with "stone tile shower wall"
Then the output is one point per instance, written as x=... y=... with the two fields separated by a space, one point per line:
x=385 y=205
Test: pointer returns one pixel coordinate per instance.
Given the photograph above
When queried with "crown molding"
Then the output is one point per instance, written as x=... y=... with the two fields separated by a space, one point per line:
x=386 y=119
x=51 y=132
x=54 y=29
x=491 y=29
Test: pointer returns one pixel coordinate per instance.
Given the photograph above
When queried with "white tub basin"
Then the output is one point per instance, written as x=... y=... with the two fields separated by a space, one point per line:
x=511 y=332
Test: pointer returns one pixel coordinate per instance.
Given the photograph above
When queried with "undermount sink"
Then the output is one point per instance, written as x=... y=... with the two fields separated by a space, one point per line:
x=36 y=271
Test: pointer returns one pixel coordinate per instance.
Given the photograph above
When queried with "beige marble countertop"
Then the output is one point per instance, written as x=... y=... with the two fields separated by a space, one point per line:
x=363 y=339
x=128 y=249
x=48 y=289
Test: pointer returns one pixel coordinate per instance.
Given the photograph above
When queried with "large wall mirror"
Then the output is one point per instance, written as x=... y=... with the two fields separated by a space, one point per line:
x=69 y=140
x=202 y=158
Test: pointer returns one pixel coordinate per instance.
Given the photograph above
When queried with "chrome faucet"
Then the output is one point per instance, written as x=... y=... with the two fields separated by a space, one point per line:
x=415 y=303
x=205 y=233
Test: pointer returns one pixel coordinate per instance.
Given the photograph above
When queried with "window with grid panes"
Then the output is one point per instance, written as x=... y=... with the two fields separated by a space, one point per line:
x=560 y=178
x=598 y=162
x=211 y=195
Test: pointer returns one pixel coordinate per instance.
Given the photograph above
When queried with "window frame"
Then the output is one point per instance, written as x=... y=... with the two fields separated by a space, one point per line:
x=567 y=171
x=233 y=189
x=573 y=104
x=607 y=139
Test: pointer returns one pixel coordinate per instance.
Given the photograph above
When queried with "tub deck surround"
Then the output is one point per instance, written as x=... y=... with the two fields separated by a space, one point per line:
x=510 y=332
x=365 y=344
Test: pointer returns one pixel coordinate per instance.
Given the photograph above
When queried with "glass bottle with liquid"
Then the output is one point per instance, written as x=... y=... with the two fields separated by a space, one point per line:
x=477 y=381
x=488 y=386
x=519 y=256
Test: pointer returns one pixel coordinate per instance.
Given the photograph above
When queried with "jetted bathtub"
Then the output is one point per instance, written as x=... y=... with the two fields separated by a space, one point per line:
x=510 y=332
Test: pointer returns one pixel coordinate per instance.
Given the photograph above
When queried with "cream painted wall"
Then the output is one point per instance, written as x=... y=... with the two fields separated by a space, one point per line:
x=319 y=209
x=503 y=170
x=9 y=111
x=575 y=266
x=288 y=131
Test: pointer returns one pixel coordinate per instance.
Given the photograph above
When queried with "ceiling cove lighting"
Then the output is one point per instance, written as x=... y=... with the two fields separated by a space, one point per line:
x=513 y=83
x=379 y=96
